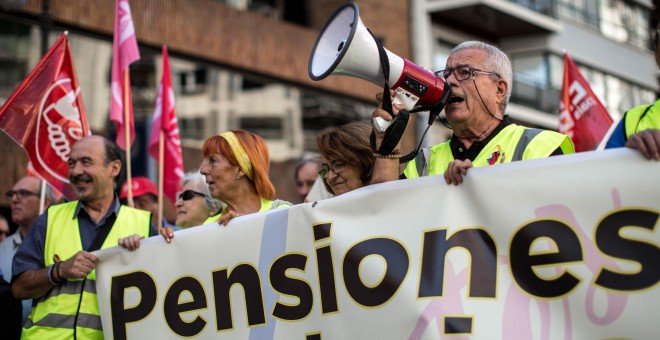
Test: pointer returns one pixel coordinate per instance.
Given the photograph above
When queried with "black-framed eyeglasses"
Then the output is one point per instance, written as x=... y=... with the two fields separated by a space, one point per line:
x=21 y=193
x=463 y=72
x=189 y=194
x=337 y=167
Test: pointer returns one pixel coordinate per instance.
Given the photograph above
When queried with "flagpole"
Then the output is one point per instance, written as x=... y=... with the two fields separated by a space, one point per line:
x=42 y=199
x=161 y=166
x=127 y=138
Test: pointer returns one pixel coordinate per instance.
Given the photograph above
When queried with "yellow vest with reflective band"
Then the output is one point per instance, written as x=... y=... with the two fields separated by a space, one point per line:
x=512 y=143
x=53 y=316
x=266 y=204
x=641 y=118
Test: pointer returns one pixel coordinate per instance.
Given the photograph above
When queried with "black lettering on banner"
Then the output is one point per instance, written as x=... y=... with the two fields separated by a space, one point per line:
x=173 y=308
x=458 y=325
x=483 y=261
x=326 y=269
x=247 y=276
x=326 y=280
x=610 y=242
x=522 y=263
x=122 y=316
x=290 y=286
x=396 y=259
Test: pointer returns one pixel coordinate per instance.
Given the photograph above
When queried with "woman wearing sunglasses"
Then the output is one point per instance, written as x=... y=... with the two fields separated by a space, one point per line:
x=194 y=203
x=347 y=160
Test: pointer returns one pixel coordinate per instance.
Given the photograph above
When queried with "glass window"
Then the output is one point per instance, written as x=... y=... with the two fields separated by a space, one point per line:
x=625 y=22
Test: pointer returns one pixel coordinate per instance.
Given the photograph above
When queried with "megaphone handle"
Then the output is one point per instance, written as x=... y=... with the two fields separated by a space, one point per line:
x=399 y=99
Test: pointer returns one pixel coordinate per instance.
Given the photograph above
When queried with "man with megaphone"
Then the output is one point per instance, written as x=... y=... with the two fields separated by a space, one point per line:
x=480 y=78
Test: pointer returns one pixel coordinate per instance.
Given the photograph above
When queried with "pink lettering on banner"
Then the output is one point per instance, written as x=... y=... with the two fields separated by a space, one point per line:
x=517 y=306
x=450 y=303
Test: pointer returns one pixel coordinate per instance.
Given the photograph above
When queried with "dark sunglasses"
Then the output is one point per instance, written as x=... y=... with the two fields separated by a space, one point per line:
x=22 y=194
x=189 y=194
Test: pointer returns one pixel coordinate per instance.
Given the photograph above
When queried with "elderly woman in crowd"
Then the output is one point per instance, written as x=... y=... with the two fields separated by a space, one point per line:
x=236 y=169
x=194 y=203
x=347 y=160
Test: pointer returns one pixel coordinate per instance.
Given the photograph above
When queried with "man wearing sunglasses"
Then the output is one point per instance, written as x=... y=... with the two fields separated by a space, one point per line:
x=480 y=77
x=24 y=201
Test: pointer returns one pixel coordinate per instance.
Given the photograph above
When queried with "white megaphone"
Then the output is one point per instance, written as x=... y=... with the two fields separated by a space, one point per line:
x=346 y=47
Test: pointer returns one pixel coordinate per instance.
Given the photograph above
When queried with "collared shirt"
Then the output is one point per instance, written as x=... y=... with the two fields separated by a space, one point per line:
x=462 y=153
x=30 y=255
x=8 y=248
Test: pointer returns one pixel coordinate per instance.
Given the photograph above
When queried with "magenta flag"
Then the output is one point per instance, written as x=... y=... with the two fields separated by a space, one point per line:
x=164 y=119
x=124 y=52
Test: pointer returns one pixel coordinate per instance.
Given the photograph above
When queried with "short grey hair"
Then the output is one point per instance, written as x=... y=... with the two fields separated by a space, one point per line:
x=199 y=182
x=497 y=62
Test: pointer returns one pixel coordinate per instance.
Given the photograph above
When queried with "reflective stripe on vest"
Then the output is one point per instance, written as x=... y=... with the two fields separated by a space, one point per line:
x=266 y=204
x=513 y=143
x=55 y=313
x=641 y=118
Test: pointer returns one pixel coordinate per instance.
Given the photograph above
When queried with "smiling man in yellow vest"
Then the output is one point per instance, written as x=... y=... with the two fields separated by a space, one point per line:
x=55 y=264
x=480 y=77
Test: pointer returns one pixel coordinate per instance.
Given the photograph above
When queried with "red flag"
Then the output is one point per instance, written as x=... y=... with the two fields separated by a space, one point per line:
x=581 y=115
x=46 y=116
x=164 y=120
x=124 y=52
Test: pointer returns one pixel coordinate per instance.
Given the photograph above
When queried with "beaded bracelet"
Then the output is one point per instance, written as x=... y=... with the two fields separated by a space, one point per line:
x=390 y=156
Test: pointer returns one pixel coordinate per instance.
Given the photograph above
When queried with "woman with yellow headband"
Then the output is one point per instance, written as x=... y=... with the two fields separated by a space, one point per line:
x=236 y=169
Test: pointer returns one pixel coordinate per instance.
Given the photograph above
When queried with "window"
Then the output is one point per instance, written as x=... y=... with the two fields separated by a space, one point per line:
x=625 y=22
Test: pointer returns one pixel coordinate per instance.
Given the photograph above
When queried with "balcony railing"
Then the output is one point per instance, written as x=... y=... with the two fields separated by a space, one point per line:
x=535 y=96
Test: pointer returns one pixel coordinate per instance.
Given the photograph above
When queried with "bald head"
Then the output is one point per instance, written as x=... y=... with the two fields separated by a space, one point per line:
x=24 y=201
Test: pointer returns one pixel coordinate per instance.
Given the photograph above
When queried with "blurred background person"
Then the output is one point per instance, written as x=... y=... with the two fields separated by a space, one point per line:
x=24 y=198
x=4 y=228
x=307 y=171
x=347 y=160
x=145 y=197
x=194 y=203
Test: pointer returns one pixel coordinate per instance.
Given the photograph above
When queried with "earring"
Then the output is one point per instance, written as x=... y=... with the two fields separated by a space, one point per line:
x=238 y=175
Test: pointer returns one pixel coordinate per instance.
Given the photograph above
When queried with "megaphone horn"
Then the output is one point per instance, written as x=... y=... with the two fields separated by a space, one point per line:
x=346 y=47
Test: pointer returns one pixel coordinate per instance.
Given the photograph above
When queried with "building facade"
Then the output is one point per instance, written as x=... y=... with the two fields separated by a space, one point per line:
x=242 y=64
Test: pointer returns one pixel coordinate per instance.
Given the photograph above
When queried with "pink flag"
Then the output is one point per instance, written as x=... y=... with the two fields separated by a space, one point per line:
x=581 y=115
x=124 y=52
x=164 y=120
x=46 y=116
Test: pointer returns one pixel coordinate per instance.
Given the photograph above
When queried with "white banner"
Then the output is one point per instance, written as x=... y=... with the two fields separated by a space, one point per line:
x=559 y=248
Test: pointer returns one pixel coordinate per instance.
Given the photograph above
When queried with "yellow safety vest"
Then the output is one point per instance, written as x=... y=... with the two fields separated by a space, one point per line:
x=641 y=118
x=512 y=143
x=266 y=204
x=53 y=316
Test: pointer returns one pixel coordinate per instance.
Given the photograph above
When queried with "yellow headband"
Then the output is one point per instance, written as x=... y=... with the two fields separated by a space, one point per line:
x=239 y=153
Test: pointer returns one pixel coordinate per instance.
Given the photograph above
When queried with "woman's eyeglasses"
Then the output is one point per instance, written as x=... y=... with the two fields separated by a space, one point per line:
x=22 y=194
x=189 y=194
x=336 y=167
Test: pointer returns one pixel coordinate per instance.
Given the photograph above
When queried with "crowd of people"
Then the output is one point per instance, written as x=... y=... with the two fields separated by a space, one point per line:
x=48 y=279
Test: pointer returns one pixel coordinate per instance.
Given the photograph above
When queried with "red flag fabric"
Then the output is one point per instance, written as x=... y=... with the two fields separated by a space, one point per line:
x=164 y=119
x=581 y=115
x=124 y=52
x=46 y=116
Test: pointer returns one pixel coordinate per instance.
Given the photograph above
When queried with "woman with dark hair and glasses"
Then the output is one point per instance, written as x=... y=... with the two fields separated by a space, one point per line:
x=347 y=160
x=194 y=203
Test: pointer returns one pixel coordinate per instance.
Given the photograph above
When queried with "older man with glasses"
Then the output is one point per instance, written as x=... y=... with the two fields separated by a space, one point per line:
x=24 y=198
x=480 y=77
